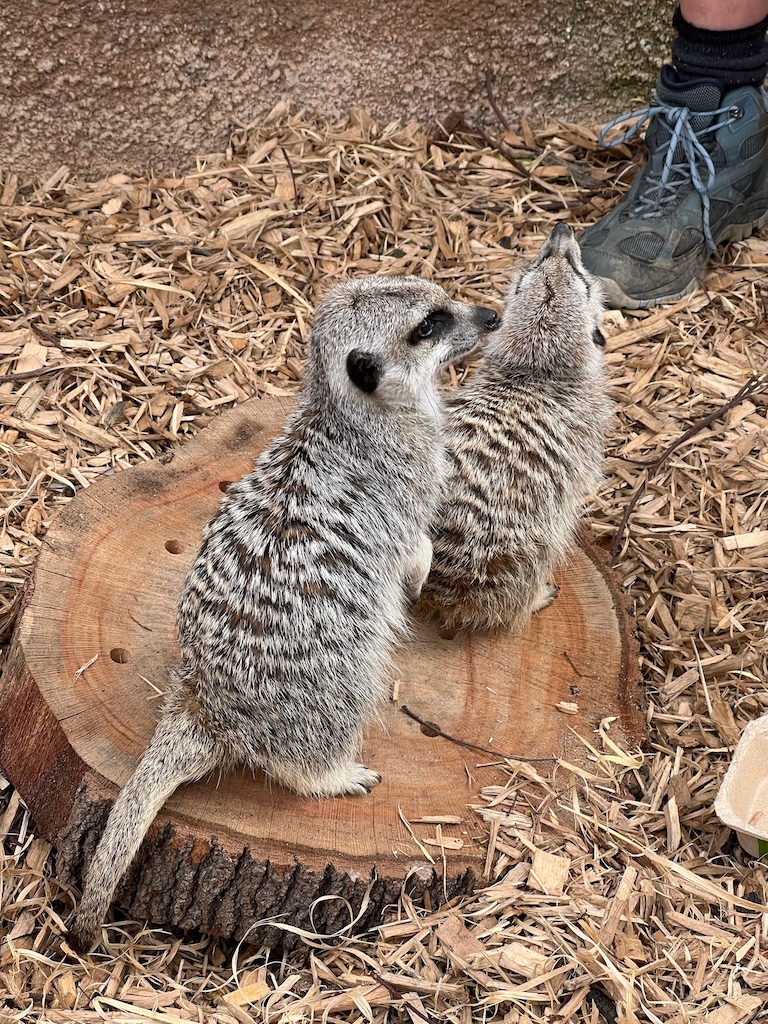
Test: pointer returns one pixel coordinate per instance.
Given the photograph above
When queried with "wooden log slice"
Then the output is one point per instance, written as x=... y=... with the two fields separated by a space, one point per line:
x=90 y=657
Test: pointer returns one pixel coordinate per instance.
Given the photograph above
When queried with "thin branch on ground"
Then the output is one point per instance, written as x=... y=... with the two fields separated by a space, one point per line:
x=492 y=100
x=437 y=731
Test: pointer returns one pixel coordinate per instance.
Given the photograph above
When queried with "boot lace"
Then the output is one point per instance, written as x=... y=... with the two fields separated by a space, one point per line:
x=696 y=166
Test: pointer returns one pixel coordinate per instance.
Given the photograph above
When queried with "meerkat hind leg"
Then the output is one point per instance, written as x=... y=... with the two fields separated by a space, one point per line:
x=419 y=568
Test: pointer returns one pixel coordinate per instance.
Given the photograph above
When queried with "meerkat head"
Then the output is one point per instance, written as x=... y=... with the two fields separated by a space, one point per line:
x=382 y=340
x=553 y=310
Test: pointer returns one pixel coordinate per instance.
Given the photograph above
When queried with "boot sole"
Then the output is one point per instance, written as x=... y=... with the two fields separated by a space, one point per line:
x=616 y=298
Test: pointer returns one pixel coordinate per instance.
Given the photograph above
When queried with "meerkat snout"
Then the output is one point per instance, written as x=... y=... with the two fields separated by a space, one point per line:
x=488 y=317
x=554 y=309
x=559 y=241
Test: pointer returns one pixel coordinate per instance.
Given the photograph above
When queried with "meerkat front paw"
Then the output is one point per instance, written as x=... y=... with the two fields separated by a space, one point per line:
x=546 y=595
x=419 y=569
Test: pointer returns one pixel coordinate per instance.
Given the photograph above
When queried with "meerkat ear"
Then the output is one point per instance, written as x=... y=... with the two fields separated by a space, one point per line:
x=364 y=370
x=598 y=337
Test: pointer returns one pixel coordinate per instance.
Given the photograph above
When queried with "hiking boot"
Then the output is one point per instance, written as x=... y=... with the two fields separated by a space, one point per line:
x=705 y=182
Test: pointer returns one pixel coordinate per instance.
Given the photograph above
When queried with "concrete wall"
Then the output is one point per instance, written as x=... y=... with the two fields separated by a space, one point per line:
x=139 y=85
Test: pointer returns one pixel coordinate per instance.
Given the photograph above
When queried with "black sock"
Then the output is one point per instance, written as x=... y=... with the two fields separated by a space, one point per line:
x=737 y=57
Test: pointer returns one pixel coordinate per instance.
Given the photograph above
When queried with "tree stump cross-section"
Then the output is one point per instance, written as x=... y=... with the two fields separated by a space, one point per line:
x=89 y=661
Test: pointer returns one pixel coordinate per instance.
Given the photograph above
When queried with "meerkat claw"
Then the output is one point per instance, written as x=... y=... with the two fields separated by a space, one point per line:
x=369 y=779
x=363 y=788
x=343 y=780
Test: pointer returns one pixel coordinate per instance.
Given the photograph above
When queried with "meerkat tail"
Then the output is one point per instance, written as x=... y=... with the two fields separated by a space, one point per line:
x=180 y=751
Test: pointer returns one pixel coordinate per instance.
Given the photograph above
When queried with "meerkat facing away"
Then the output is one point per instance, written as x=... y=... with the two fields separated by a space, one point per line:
x=289 y=612
x=525 y=441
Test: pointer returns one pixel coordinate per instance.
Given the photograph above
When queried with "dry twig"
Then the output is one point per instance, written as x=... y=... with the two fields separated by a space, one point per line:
x=435 y=730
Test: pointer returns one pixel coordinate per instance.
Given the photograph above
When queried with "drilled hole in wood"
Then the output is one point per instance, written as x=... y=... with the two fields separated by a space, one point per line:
x=174 y=546
x=224 y=485
x=428 y=732
x=119 y=655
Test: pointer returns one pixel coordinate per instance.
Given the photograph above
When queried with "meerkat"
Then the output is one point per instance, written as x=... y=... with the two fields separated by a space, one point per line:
x=289 y=613
x=525 y=444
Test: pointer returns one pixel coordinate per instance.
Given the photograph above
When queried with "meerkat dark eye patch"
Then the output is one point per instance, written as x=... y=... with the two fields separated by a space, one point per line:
x=431 y=326
x=364 y=370
x=598 y=337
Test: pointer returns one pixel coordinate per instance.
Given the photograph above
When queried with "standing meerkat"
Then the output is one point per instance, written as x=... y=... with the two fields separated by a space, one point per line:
x=526 y=442
x=288 y=615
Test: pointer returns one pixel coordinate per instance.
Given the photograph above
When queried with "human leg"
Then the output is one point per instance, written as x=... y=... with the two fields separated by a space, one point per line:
x=706 y=178
x=723 y=17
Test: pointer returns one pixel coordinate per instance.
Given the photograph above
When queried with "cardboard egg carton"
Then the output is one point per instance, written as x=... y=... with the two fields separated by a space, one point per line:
x=742 y=802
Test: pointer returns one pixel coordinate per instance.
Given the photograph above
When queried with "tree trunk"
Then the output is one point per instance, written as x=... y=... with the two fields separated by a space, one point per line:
x=90 y=657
